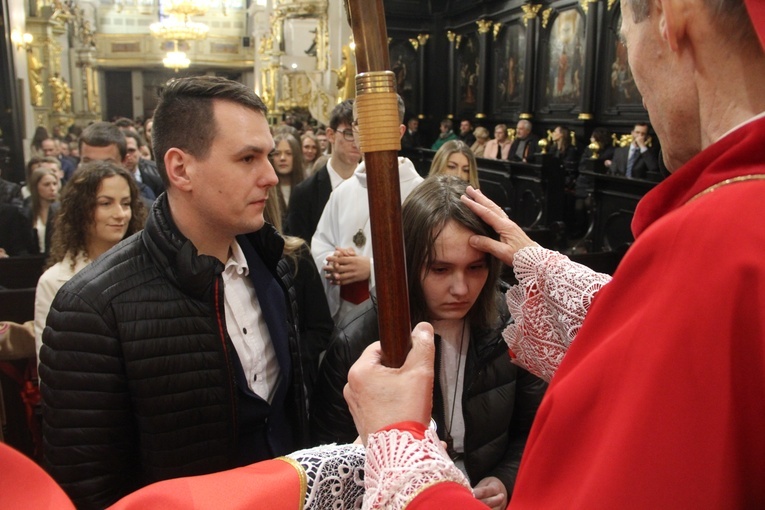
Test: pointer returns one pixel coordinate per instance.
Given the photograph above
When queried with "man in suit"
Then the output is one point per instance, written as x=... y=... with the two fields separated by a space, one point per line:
x=52 y=148
x=411 y=138
x=499 y=146
x=466 y=132
x=310 y=196
x=525 y=143
x=637 y=161
x=144 y=170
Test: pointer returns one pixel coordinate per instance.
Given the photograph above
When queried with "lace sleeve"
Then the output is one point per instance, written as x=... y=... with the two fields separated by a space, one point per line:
x=399 y=467
x=335 y=475
x=549 y=304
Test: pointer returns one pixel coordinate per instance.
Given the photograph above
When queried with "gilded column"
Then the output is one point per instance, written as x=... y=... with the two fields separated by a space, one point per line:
x=484 y=27
x=531 y=21
x=454 y=43
x=419 y=45
x=591 y=8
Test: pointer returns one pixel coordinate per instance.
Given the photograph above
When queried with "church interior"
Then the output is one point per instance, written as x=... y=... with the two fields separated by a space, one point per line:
x=551 y=63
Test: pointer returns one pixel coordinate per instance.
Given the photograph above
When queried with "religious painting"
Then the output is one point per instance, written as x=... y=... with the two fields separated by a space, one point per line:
x=467 y=72
x=510 y=63
x=404 y=64
x=622 y=90
x=565 y=57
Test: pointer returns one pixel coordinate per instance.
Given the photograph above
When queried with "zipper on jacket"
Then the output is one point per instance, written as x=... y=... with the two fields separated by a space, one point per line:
x=222 y=333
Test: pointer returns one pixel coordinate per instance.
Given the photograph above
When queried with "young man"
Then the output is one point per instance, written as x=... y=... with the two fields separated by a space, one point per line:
x=342 y=244
x=102 y=141
x=176 y=353
x=310 y=196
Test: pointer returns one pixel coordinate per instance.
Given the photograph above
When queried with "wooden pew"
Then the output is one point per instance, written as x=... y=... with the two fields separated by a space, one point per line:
x=615 y=199
x=421 y=158
x=21 y=272
x=17 y=305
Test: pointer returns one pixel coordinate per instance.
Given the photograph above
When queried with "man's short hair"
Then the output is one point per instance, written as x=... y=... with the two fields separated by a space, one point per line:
x=341 y=114
x=526 y=123
x=642 y=124
x=184 y=117
x=51 y=161
x=124 y=122
x=139 y=141
x=447 y=123
x=104 y=134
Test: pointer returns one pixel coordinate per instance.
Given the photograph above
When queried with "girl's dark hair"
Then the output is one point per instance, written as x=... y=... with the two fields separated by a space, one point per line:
x=565 y=138
x=600 y=134
x=78 y=205
x=425 y=213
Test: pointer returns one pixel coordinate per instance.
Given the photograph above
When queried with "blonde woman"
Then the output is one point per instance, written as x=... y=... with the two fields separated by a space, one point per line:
x=455 y=158
x=481 y=137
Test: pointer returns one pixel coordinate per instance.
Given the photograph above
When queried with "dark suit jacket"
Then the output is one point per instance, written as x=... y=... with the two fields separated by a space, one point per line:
x=646 y=165
x=150 y=176
x=532 y=147
x=410 y=140
x=15 y=231
x=307 y=202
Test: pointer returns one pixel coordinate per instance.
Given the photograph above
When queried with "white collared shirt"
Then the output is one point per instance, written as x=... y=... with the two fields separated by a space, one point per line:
x=334 y=178
x=247 y=327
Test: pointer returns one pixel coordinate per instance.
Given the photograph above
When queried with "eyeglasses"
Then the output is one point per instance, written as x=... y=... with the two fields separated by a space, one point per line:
x=347 y=134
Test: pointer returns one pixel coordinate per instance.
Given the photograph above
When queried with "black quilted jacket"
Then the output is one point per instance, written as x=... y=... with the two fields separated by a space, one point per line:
x=137 y=371
x=499 y=400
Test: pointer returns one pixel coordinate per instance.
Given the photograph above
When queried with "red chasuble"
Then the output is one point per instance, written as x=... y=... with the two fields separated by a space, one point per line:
x=660 y=401
x=277 y=484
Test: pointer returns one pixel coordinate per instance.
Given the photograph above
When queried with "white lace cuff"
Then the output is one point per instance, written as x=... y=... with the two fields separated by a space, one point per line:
x=335 y=475
x=548 y=305
x=399 y=467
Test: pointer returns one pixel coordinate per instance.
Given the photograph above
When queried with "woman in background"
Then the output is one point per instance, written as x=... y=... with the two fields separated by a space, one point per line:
x=455 y=158
x=41 y=208
x=481 y=137
x=100 y=206
x=310 y=146
x=287 y=159
x=35 y=145
x=562 y=147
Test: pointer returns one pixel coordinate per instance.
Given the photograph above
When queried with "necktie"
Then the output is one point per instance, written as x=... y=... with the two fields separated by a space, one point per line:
x=631 y=161
x=499 y=151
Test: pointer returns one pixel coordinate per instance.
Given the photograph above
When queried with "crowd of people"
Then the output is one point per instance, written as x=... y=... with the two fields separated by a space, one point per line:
x=182 y=355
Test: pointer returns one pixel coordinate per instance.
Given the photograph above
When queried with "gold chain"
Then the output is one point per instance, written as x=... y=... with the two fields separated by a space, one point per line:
x=733 y=180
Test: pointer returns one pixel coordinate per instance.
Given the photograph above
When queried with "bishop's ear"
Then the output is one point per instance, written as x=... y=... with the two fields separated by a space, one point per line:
x=672 y=15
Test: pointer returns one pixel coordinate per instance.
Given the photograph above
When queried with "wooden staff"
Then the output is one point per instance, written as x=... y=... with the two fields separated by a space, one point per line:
x=380 y=141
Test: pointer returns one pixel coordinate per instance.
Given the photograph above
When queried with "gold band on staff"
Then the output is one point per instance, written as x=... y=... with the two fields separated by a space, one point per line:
x=377 y=109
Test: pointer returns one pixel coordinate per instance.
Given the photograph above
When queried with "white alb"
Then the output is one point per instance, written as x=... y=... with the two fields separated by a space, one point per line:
x=549 y=305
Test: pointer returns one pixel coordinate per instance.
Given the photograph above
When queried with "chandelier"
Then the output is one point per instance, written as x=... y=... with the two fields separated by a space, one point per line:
x=180 y=29
x=176 y=59
x=178 y=25
x=187 y=7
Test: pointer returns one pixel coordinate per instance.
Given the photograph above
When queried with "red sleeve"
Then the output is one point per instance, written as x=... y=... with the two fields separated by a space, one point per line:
x=415 y=428
x=445 y=495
